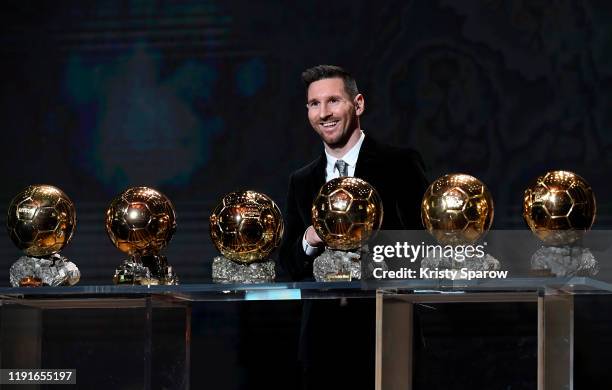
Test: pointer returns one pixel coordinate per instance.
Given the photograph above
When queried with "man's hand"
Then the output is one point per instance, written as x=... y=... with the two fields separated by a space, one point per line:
x=312 y=238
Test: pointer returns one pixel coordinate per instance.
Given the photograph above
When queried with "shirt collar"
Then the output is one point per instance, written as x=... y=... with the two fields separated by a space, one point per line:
x=350 y=157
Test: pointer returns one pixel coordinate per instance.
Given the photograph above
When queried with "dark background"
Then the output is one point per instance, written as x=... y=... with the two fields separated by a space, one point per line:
x=198 y=99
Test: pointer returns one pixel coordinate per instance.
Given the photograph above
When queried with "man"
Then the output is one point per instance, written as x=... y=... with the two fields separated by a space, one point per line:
x=337 y=341
x=334 y=107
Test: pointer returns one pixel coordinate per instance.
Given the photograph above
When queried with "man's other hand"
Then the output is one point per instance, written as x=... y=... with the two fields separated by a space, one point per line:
x=312 y=238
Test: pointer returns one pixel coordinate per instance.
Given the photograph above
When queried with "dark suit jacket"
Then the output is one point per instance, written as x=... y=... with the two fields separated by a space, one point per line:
x=396 y=173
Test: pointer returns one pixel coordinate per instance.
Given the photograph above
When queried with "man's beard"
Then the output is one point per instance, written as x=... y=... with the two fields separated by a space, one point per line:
x=344 y=137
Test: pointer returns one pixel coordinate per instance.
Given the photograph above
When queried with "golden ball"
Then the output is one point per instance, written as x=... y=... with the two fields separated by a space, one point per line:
x=41 y=220
x=140 y=221
x=457 y=209
x=346 y=212
x=246 y=226
x=559 y=207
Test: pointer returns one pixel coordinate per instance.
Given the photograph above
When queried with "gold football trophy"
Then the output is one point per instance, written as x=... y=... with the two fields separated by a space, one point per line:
x=457 y=210
x=345 y=214
x=140 y=222
x=41 y=220
x=246 y=226
x=559 y=208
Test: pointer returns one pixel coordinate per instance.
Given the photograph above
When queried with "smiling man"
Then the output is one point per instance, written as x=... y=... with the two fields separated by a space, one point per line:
x=334 y=111
x=337 y=336
x=334 y=107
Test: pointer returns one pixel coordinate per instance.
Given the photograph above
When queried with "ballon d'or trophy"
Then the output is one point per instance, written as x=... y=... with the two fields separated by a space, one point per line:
x=559 y=208
x=246 y=226
x=41 y=220
x=345 y=214
x=457 y=210
x=141 y=222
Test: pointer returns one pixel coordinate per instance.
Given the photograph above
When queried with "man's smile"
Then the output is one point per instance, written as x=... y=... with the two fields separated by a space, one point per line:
x=330 y=124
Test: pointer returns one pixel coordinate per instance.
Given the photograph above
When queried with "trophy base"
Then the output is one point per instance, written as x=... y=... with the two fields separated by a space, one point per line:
x=335 y=265
x=485 y=263
x=564 y=261
x=54 y=270
x=146 y=271
x=225 y=270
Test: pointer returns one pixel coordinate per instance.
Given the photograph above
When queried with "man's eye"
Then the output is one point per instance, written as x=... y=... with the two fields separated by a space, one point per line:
x=313 y=104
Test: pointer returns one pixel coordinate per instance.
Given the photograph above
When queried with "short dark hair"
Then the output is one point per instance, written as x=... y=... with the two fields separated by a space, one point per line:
x=321 y=72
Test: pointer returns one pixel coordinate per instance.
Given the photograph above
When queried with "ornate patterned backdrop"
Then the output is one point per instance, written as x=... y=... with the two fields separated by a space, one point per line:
x=201 y=98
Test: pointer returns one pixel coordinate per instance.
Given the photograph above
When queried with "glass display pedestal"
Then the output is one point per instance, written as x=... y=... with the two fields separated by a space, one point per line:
x=555 y=323
x=147 y=330
x=147 y=338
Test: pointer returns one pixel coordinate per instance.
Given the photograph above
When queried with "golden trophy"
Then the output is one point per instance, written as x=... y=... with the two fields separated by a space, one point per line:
x=246 y=226
x=457 y=210
x=345 y=214
x=141 y=222
x=559 y=207
x=41 y=220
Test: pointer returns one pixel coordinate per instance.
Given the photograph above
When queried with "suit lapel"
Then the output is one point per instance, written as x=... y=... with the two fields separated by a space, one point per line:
x=366 y=168
x=318 y=176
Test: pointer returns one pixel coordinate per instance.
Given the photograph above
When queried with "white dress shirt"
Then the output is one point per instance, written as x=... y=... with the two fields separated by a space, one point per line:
x=331 y=172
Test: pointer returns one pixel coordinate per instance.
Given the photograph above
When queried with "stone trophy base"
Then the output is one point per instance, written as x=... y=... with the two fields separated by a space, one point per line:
x=485 y=263
x=564 y=261
x=54 y=270
x=225 y=270
x=336 y=265
x=146 y=270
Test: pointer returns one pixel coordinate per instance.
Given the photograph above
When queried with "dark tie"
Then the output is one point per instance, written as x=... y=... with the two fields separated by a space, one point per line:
x=342 y=167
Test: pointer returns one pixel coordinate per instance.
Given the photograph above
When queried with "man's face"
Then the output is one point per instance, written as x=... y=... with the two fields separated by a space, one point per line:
x=331 y=111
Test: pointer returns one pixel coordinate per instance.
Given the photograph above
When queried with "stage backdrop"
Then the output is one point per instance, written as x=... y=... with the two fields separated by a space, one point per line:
x=200 y=98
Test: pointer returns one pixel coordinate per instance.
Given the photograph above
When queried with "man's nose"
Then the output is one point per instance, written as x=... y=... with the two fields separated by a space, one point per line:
x=324 y=111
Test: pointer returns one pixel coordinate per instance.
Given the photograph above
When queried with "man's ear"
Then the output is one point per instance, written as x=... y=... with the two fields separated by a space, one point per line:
x=359 y=104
